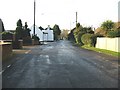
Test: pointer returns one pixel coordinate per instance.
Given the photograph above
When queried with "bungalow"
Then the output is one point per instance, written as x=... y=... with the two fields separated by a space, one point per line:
x=44 y=35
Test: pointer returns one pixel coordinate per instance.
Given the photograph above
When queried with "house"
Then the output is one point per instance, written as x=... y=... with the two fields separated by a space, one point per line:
x=44 y=35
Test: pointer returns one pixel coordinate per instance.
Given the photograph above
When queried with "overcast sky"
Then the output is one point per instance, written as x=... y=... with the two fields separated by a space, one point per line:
x=61 y=12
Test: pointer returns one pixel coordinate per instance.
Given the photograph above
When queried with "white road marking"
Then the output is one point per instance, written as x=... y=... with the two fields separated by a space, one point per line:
x=99 y=71
x=113 y=63
x=46 y=56
x=48 y=61
x=27 y=52
x=106 y=60
x=2 y=72
x=95 y=63
x=41 y=55
x=38 y=60
x=102 y=66
x=8 y=66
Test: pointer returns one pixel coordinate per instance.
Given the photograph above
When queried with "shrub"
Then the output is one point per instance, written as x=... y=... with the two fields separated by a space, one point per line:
x=27 y=40
x=98 y=35
x=78 y=38
x=35 y=37
x=7 y=35
x=113 y=34
x=89 y=39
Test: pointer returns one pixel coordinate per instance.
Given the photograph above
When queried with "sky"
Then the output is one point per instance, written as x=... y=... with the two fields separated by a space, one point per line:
x=61 y=12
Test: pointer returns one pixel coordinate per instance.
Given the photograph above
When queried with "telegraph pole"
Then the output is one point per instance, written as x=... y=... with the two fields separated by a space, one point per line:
x=34 y=17
x=76 y=18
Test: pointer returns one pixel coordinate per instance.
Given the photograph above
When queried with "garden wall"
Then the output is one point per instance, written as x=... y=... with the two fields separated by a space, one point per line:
x=112 y=44
x=6 y=50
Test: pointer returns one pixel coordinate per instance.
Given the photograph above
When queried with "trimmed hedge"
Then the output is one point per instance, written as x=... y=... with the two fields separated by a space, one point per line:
x=7 y=35
x=89 y=39
x=113 y=34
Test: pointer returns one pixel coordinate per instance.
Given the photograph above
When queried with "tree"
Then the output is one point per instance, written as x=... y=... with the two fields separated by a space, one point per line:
x=78 y=32
x=108 y=25
x=105 y=28
x=26 y=26
x=41 y=28
x=19 y=23
x=71 y=35
x=3 y=29
x=26 y=31
x=19 y=30
x=26 y=35
x=2 y=26
x=56 y=31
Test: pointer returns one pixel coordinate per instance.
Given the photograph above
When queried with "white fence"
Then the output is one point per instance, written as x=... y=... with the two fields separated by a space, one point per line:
x=112 y=44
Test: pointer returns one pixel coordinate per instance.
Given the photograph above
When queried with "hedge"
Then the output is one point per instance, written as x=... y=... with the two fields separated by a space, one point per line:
x=89 y=39
x=27 y=40
x=7 y=35
x=35 y=37
x=78 y=38
x=113 y=34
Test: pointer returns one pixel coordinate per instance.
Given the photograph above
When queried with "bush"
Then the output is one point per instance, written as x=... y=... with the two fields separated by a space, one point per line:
x=98 y=35
x=27 y=40
x=78 y=38
x=113 y=34
x=89 y=39
x=7 y=36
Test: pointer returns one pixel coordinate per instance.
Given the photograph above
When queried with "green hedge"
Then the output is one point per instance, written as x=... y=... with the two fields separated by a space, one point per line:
x=89 y=39
x=7 y=35
x=113 y=34
x=78 y=38
x=35 y=37
x=27 y=40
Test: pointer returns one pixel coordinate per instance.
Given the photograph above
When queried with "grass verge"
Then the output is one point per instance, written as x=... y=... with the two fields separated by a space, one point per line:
x=108 y=52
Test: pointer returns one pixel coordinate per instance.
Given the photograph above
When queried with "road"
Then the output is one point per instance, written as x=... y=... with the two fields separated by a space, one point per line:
x=60 y=65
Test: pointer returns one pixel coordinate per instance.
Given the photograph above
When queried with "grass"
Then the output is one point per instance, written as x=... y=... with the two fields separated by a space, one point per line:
x=108 y=52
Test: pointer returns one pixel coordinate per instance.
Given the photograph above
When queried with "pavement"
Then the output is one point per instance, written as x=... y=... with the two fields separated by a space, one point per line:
x=59 y=64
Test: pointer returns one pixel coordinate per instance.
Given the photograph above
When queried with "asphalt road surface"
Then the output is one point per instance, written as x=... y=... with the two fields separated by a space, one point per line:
x=60 y=65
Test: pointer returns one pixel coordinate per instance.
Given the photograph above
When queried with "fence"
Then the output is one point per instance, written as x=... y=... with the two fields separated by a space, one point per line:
x=112 y=44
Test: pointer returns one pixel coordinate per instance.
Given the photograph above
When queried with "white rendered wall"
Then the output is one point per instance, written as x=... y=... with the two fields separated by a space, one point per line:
x=43 y=37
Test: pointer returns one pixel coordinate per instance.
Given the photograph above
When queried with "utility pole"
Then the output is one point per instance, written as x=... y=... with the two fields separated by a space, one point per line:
x=34 y=17
x=76 y=18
